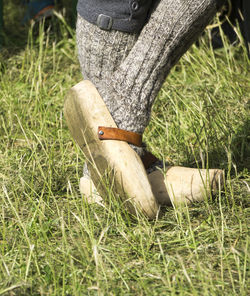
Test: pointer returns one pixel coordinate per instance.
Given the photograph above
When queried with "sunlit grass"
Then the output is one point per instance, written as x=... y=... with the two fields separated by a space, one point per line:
x=53 y=243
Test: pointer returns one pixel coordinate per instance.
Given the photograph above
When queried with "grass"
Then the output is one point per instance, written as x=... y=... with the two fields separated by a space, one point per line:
x=53 y=243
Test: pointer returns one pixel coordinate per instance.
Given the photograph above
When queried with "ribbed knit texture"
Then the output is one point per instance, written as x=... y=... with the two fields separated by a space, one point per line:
x=129 y=73
x=101 y=52
x=173 y=27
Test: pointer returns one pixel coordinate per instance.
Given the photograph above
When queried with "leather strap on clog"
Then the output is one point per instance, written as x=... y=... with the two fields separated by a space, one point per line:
x=112 y=133
x=148 y=159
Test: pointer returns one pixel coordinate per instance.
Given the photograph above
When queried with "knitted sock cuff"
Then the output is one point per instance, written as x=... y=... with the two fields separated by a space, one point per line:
x=101 y=52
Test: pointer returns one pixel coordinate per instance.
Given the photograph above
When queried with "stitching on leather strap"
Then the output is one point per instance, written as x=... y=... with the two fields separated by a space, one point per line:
x=112 y=133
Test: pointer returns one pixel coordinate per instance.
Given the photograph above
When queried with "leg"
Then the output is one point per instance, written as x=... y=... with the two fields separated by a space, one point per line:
x=129 y=77
x=101 y=52
x=173 y=26
x=131 y=86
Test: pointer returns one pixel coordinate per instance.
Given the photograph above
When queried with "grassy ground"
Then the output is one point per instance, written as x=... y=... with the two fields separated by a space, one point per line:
x=53 y=243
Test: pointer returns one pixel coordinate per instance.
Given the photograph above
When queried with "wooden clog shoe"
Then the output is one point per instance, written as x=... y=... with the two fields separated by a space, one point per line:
x=111 y=161
x=179 y=185
x=182 y=185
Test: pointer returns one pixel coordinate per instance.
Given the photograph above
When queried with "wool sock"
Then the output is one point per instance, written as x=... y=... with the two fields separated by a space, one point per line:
x=101 y=52
x=173 y=26
x=128 y=70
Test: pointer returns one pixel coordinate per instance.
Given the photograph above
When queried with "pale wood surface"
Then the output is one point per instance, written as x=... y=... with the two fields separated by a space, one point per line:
x=179 y=185
x=111 y=161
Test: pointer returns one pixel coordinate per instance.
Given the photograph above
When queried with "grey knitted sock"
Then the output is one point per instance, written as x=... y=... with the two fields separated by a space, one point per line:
x=128 y=72
x=173 y=26
x=101 y=52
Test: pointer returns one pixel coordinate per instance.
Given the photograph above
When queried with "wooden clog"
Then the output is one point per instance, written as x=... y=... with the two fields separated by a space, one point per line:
x=111 y=163
x=180 y=185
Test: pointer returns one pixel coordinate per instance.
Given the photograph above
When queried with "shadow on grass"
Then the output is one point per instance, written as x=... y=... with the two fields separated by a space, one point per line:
x=241 y=146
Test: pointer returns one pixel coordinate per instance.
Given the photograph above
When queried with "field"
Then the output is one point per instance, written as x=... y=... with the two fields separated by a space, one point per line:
x=53 y=243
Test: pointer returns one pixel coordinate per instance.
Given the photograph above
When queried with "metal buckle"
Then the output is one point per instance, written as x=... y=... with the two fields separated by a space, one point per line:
x=104 y=22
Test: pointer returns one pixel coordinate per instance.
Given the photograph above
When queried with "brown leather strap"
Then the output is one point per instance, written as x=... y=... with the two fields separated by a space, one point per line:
x=148 y=159
x=112 y=133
